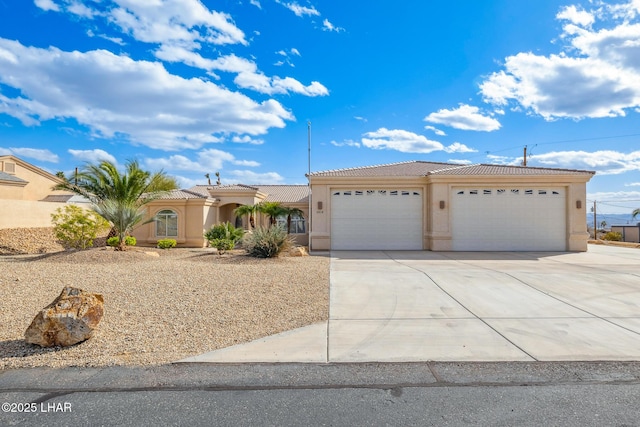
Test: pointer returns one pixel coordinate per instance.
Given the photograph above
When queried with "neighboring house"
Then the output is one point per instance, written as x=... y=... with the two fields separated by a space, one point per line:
x=630 y=233
x=447 y=207
x=26 y=194
x=185 y=215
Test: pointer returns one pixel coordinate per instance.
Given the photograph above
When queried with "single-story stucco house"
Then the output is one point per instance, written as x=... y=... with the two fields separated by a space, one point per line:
x=414 y=205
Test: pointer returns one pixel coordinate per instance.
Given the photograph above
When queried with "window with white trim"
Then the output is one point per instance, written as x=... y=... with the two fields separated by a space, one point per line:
x=297 y=223
x=166 y=223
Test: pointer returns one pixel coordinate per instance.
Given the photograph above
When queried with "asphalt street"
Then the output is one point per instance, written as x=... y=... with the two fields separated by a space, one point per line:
x=426 y=393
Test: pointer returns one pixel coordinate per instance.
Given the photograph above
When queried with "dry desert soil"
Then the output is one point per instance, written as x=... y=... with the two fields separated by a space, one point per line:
x=160 y=306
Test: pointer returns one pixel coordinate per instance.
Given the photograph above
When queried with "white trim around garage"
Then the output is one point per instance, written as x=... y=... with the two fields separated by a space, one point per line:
x=377 y=219
x=509 y=218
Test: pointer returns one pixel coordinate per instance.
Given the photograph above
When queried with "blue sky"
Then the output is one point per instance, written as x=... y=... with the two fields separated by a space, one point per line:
x=195 y=87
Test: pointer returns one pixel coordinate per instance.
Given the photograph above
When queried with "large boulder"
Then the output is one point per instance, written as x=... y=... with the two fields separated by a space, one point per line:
x=69 y=319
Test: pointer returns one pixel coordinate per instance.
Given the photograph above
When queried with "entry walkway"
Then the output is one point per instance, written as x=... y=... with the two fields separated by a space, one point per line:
x=397 y=306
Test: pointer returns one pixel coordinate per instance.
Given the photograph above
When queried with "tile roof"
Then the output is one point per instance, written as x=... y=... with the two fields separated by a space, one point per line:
x=66 y=198
x=184 y=194
x=275 y=193
x=7 y=177
x=484 y=169
x=285 y=193
x=421 y=168
x=228 y=187
x=414 y=168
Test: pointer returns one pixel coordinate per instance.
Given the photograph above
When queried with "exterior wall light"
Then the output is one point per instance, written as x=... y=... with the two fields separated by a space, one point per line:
x=319 y=206
x=578 y=204
x=441 y=204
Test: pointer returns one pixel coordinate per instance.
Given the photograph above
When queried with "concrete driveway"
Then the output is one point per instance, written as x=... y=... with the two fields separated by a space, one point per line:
x=404 y=306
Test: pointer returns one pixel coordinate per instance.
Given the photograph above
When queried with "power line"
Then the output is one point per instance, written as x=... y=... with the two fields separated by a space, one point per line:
x=562 y=141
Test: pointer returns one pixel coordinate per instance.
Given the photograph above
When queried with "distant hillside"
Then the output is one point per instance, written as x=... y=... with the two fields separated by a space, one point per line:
x=612 y=219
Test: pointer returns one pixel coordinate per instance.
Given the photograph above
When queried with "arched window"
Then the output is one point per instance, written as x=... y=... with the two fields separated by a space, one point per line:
x=166 y=223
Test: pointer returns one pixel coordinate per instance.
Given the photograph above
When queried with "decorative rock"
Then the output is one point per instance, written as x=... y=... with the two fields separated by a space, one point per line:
x=69 y=319
x=298 y=251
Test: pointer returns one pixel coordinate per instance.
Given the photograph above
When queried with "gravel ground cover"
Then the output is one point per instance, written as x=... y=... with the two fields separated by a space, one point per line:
x=160 y=306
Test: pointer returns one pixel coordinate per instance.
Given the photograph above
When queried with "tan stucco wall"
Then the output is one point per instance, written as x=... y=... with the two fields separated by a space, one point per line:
x=630 y=233
x=192 y=217
x=437 y=221
x=26 y=213
x=38 y=186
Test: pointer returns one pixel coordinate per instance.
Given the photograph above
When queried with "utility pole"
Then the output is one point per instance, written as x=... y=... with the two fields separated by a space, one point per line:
x=309 y=178
x=524 y=163
x=595 y=222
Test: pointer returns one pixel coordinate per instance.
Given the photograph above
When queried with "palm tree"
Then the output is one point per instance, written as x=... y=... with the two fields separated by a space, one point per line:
x=635 y=213
x=272 y=209
x=249 y=210
x=119 y=197
x=291 y=212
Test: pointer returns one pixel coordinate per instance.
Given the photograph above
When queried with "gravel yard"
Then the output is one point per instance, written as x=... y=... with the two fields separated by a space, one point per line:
x=159 y=309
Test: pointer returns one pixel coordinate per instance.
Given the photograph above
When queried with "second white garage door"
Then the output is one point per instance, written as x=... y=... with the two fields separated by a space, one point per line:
x=373 y=219
x=508 y=219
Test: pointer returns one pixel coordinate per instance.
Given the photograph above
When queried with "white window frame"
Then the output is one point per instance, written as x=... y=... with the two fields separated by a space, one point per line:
x=298 y=223
x=168 y=214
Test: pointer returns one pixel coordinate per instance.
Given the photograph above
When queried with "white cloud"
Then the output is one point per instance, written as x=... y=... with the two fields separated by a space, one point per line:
x=277 y=85
x=80 y=10
x=575 y=16
x=256 y=3
x=248 y=163
x=616 y=202
x=460 y=161
x=33 y=153
x=208 y=161
x=346 y=143
x=185 y=21
x=435 y=130
x=596 y=75
x=362 y=119
x=93 y=156
x=457 y=147
x=47 y=5
x=605 y=162
x=181 y=28
x=328 y=26
x=299 y=10
x=633 y=184
x=117 y=95
x=400 y=140
x=465 y=117
x=504 y=160
x=246 y=139
x=248 y=75
x=250 y=177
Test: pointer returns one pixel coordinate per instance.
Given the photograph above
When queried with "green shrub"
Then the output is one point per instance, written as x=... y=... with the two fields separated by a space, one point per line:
x=222 y=245
x=224 y=231
x=267 y=242
x=115 y=241
x=76 y=228
x=613 y=236
x=167 y=243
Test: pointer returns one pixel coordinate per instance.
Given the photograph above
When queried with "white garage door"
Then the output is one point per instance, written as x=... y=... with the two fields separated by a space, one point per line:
x=509 y=219
x=376 y=219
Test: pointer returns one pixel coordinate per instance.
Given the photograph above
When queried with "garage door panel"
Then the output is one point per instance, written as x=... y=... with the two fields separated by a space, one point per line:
x=376 y=219
x=514 y=218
